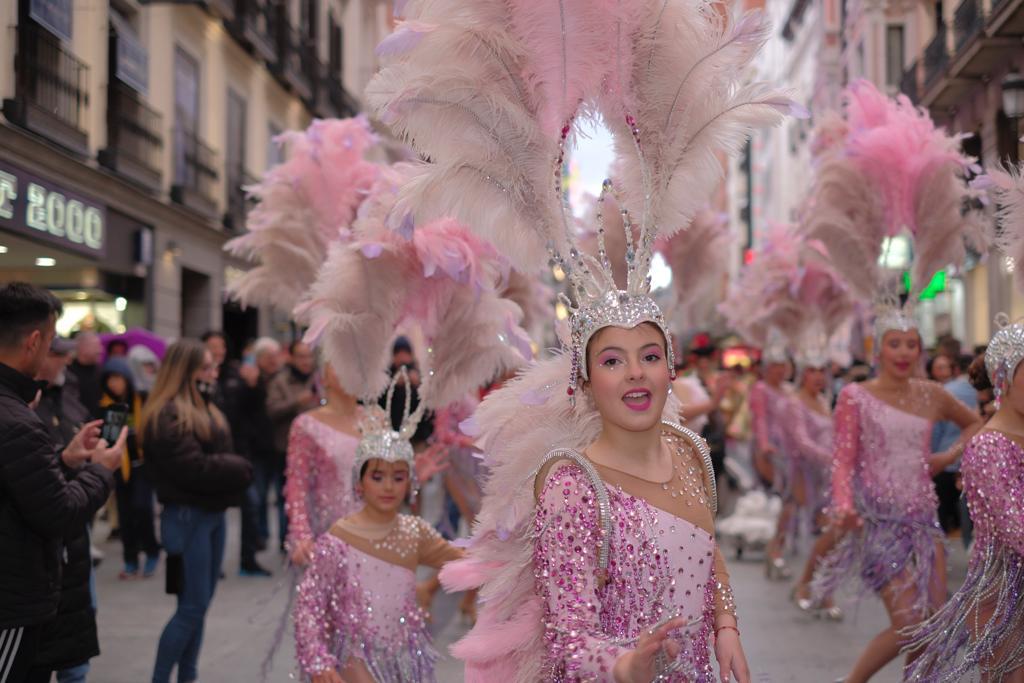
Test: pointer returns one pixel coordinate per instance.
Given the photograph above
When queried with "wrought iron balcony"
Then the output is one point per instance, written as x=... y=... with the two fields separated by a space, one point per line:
x=968 y=21
x=134 y=143
x=195 y=173
x=51 y=88
x=253 y=27
x=909 y=84
x=936 y=57
x=238 y=201
x=299 y=65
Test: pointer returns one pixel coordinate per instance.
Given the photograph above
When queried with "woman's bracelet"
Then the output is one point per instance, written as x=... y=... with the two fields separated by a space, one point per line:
x=727 y=628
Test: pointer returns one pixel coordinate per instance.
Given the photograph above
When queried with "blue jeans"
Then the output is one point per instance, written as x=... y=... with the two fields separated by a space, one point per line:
x=75 y=674
x=198 y=536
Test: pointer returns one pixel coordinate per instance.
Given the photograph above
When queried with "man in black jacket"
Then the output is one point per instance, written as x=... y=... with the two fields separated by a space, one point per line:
x=38 y=505
x=67 y=643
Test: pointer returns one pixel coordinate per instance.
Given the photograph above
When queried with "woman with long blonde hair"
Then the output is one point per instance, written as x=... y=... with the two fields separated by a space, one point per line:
x=197 y=477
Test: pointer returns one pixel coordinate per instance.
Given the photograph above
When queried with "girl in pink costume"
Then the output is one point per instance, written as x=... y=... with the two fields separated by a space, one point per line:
x=321 y=450
x=982 y=626
x=882 y=492
x=356 y=617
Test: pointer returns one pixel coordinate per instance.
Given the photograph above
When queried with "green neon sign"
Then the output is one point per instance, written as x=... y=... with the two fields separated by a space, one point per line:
x=937 y=285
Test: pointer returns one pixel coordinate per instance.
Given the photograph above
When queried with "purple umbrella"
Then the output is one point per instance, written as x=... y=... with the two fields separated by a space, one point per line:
x=136 y=337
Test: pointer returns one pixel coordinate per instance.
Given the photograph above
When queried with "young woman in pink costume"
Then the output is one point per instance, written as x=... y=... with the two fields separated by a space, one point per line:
x=981 y=628
x=809 y=422
x=356 y=616
x=768 y=400
x=594 y=549
x=882 y=492
x=321 y=450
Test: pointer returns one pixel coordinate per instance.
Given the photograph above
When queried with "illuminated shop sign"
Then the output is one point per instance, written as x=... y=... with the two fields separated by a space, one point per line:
x=44 y=210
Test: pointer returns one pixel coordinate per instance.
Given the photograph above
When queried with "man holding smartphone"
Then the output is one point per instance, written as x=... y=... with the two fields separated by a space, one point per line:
x=39 y=506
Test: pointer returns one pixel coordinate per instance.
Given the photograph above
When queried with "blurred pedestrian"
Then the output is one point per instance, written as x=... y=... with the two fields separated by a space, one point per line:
x=144 y=365
x=117 y=348
x=39 y=504
x=952 y=374
x=134 y=492
x=256 y=371
x=228 y=396
x=291 y=392
x=197 y=476
x=86 y=368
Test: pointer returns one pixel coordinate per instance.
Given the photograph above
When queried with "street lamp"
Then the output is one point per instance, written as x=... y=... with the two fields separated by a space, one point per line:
x=1013 y=95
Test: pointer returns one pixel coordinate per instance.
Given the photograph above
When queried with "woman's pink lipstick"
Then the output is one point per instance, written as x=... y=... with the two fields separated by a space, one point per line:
x=638 y=400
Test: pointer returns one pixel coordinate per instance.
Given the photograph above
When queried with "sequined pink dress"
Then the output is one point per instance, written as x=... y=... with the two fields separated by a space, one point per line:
x=881 y=471
x=982 y=625
x=809 y=434
x=318 y=487
x=357 y=601
x=768 y=415
x=664 y=563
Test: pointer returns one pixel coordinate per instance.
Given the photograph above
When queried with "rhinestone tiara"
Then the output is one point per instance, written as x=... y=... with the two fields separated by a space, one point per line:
x=1005 y=352
x=891 y=314
x=379 y=440
x=597 y=302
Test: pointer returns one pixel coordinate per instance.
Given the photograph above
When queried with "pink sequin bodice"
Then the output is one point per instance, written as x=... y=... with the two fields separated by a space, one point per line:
x=768 y=409
x=810 y=433
x=993 y=474
x=881 y=459
x=352 y=604
x=661 y=566
x=318 y=490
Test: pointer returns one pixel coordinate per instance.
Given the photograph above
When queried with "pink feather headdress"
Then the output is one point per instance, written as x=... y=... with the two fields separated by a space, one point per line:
x=788 y=290
x=305 y=204
x=891 y=172
x=438 y=276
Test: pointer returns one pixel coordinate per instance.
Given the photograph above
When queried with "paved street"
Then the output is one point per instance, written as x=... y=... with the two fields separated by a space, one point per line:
x=783 y=645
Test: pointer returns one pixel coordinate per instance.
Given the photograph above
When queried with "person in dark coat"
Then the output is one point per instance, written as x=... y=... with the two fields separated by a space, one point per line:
x=68 y=642
x=238 y=391
x=134 y=492
x=268 y=464
x=86 y=369
x=197 y=476
x=39 y=505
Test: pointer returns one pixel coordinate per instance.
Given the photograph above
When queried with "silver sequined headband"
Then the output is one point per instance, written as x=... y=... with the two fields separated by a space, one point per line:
x=380 y=441
x=1004 y=353
x=597 y=301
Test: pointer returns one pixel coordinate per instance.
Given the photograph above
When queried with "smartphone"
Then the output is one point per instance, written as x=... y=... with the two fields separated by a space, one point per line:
x=114 y=418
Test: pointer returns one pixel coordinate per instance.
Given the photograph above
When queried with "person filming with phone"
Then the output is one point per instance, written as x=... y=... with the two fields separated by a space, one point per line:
x=39 y=505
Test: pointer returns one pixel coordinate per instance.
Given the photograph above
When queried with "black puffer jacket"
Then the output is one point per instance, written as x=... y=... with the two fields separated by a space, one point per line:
x=189 y=471
x=71 y=638
x=38 y=506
